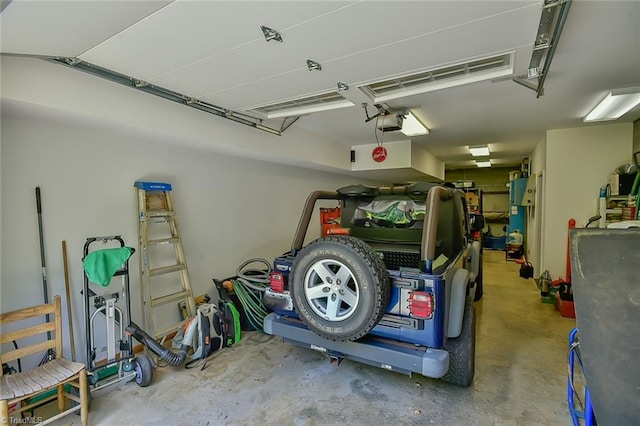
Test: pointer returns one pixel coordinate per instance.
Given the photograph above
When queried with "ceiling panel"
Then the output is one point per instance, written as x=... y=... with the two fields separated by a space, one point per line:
x=215 y=50
x=67 y=28
x=379 y=48
x=378 y=64
x=189 y=32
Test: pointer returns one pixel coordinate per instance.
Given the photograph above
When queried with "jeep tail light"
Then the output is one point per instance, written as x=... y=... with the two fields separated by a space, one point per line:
x=276 y=281
x=421 y=304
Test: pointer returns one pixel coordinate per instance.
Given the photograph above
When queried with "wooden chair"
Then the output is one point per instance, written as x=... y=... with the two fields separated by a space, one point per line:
x=17 y=388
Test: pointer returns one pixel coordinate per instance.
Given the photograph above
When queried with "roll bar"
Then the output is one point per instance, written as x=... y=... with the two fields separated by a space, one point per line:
x=430 y=226
x=434 y=196
x=303 y=224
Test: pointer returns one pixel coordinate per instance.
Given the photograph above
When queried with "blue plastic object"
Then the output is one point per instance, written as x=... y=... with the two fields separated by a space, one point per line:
x=153 y=186
x=517 y=213
x=583 y=414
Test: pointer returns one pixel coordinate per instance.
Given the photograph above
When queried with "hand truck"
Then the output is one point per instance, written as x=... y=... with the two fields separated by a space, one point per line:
x=108 y=306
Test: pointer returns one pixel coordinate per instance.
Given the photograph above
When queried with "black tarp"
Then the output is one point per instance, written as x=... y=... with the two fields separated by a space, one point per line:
x=605 y=276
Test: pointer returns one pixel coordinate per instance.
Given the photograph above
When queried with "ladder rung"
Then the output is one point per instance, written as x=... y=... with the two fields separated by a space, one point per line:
x=161 y=213
x=170 y=298
x=167 y=269
x=163 y=241
x=171 y=329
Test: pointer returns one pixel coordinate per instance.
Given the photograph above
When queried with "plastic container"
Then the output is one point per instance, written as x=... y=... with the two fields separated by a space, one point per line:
x=495 y=243
x=565 y=307
x=515 y=238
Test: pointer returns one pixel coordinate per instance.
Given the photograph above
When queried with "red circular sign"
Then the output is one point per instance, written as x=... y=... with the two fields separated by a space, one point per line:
x=379 y=154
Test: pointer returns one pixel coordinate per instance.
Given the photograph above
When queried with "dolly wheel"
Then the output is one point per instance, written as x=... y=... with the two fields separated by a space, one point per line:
x=144 y=370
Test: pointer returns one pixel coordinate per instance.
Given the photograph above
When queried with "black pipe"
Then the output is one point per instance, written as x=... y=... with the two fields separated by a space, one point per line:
x=50 y=354
x=165 y=354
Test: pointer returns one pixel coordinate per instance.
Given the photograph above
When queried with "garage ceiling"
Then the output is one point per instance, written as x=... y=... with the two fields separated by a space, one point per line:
x=215 y=51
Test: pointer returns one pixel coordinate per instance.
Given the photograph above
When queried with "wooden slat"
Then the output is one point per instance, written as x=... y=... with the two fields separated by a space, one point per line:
x=52 y=371
x=25 y=386
x=159 y=301
x=5 y=390
x=26 y=332
x=31 y=380
x=55 y=373
x=74 y=367
x=28 y=350
x=161 y=241
x=26 y=313
x=167 y=269
x=12 y=387
x=42 y=377
x=160 y=213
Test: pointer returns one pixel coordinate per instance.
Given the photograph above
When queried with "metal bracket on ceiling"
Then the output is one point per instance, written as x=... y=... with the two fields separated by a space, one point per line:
x=287 y=122
x=270 y=34
x=552 y=19
x=170 y=95
x=313 y=65
x=381 y=111
x=384 y=109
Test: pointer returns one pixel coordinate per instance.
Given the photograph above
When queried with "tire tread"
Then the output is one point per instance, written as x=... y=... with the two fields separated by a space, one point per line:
x=375 y=266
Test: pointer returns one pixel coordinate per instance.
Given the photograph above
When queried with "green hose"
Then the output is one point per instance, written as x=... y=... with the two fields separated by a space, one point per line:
x=634 y=191
x=249 y=286
x=636 y=183
x=251 y=301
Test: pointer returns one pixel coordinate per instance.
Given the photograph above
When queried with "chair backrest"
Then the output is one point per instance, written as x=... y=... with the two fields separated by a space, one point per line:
x=53 y=328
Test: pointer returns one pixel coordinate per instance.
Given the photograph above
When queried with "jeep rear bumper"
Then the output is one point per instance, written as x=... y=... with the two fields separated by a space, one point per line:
x=378 y=352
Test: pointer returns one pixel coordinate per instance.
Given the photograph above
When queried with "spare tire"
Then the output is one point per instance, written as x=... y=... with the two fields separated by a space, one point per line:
x=340 y=287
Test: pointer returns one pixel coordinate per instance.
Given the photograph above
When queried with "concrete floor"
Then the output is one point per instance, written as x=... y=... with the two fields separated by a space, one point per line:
x=520 y=378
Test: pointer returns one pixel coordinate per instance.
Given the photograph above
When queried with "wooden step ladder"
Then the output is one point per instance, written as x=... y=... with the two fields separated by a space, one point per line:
x=163 y=268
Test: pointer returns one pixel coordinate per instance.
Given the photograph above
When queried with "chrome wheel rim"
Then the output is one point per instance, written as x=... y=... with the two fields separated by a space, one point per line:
x=331 y=290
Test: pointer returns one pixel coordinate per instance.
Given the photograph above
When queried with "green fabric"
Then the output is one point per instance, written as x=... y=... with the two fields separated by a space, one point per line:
x=100 y=265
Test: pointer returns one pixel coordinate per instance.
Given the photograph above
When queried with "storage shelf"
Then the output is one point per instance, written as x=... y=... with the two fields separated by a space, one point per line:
x=496 y=217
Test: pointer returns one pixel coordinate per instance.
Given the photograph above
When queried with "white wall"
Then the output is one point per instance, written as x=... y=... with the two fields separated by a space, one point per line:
x=535 y=213
x=401 y=155
x=578 y=162
x=230 y=209
x=34 y=81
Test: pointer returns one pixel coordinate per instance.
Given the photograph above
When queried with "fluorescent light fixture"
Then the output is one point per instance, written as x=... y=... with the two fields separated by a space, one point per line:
x=301 y=106
x=483 y=163
x=479 y=151
x=411 y=126
x=452 y=75
x=616 y=104
x=304 y=110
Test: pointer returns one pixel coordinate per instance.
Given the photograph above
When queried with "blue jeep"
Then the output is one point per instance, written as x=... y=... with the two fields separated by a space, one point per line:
x=394 y=288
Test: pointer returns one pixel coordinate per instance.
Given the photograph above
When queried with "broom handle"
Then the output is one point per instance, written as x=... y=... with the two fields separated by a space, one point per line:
x=42 y=261
x=68 y=290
